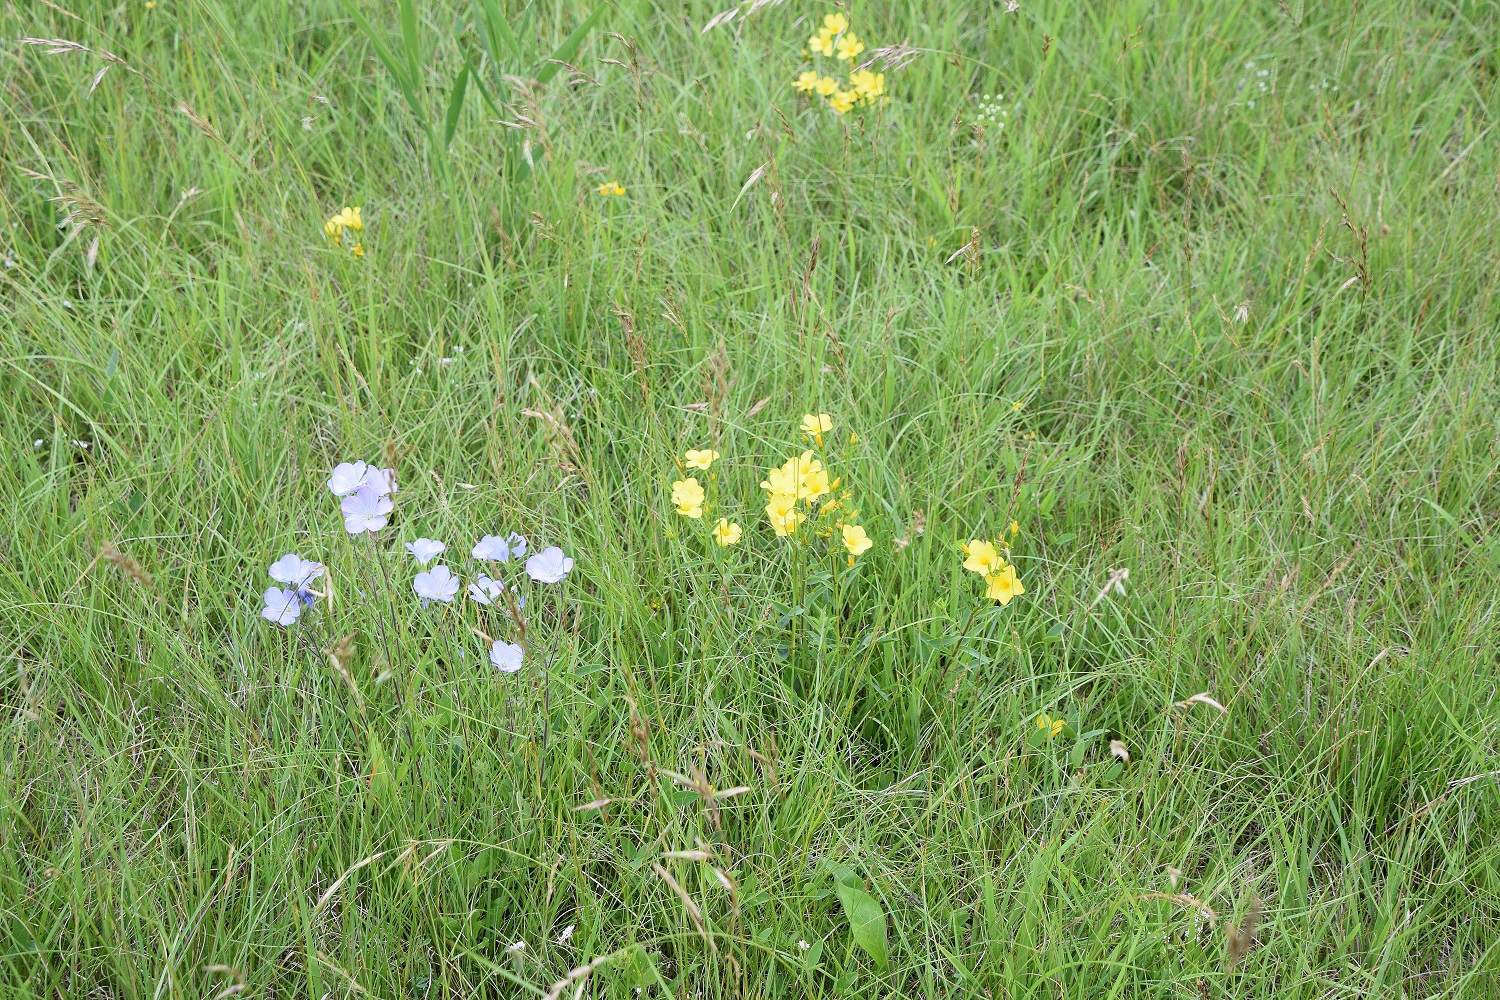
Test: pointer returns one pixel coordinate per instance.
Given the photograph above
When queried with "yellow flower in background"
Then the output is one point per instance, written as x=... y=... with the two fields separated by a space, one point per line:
x=687 y=496
x=1047 y=724
x=1018 y=406
x=332 y=229
x=357 y=250
x=843 y=101
x=611 y=189
x=849 y=46
x=816 y=425
x=1003 y=586
x=984 y=558
x=783 y=514
x=352 y=219
x=826 y=86
x=1015 y=529
x=726 y=533
x=835 y=23
x=700 y=459
x=856 y=540
x=807 y=81
x=821 y=44
x=867 y=85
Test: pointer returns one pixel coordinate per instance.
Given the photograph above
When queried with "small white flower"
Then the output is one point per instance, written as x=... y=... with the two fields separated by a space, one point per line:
x=294 y=570
x=491 y=548
x=37 y=443
x=365 y=510
x=803 y=946
x=516 y=948
x=506 y=656
x=425 y=550
x=567 y=932
x=485 y=590
x=282 y=606
x=437 y=584
x=346 y=478
x=549 y=565
x=382 y=481
x=1117 y=749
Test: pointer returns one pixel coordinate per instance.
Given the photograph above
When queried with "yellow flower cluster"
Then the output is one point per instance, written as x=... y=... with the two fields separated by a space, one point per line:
x=834 y=39
x=800 y=488
x=691 y=501
x=611 y=189
x=1049 y=726
x=347 y=219
x=1001 y=582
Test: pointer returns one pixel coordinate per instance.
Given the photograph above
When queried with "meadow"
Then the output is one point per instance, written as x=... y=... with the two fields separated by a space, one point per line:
x=1179 y=316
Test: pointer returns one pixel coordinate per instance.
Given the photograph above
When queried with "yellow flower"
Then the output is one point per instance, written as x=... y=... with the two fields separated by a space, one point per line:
x=611 y=189
x=984 y=558
x=783 y=481
x=352 y=219
x=333 y=229
x=1003 y=586
x=1015 y=529
x=687 y=496
x=843 y=100
x=1018 y=406
x=357 y=250
x=826 y=86
x=700 y=459
x=726 y=533
x=821 y=44
x=849 y=46
x=867 y=85
x=150 y=4
x=855 y=540
x=807 y=81
x=835 y=23
x=816 y=425
x=1047 y=724
x=783 y=514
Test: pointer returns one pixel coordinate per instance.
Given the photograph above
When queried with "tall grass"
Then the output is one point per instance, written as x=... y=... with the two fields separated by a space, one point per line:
x=1249 y=312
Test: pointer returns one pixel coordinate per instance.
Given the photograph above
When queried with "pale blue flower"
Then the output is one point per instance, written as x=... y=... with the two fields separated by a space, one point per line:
x=346 y=478
x=517 y=545
x=365 y=510
x=282 y=606
x=382 y=481
x=485 y=590
x=293 y=569
x=506 y=656
x=437 y=584
x=549 y=565
x=425 y=550
x=491 y=548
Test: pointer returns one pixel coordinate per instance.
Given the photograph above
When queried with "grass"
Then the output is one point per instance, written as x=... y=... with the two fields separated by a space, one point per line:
x=1253 y=336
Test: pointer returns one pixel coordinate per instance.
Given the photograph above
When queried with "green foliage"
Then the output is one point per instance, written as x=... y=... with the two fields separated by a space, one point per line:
x=1254 y=347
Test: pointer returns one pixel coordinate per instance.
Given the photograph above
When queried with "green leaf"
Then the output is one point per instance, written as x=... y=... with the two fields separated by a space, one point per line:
x=455 y=104
x=866 y=921
x=570 y=45
x=498 y=31
x=409 y=41
x=385 y=55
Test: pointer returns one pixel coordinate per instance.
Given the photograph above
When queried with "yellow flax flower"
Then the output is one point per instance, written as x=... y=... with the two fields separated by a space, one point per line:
x=821 y=44
x=815 y=425
x=352 y=219
x=700 y=459
x=835 y=24
x=984 y=558
x=869 y=86
x=856 y=540
x=1003 y=586
x=687 y=496
x=849 y=46
x=726 y=533
x=806 y=82
x=843 y=101
x=611 y=189
x=357 y=249
x=783 y=514
x=333 y=229
x=1047 y=724
x=1015 y=529
x=826 y=86
x=784 y=481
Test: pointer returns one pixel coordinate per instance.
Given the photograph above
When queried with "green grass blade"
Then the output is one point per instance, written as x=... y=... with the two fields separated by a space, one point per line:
x=409 y=39
x=455 y=105
x=498 y=29
x=570 y=45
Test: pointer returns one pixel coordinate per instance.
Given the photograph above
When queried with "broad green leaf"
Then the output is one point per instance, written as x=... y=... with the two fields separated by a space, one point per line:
x=866 y=921
x=570 y=45
x=455 y=105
